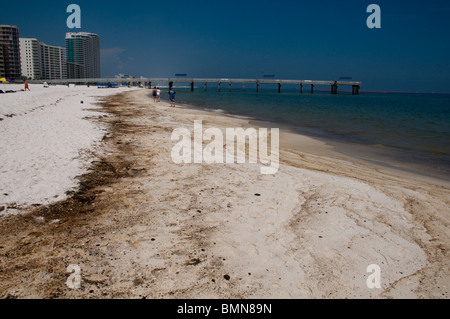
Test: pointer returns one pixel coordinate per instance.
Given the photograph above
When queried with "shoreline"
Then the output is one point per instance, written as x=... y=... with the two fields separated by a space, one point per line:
x=140 y=226
x=383 y=161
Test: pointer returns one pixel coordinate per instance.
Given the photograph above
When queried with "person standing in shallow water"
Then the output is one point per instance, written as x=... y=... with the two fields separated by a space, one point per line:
x=158 y=95
x=155 y=92
x=172 y=94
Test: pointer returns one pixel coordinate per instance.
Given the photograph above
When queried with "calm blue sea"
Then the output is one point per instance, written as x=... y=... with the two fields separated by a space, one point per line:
x=408 y=131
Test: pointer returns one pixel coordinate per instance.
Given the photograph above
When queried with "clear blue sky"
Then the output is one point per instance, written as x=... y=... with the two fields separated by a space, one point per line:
x=292 y=39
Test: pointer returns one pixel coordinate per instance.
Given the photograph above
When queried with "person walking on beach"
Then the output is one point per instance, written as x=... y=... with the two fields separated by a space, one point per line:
x=158 y=95
x=155 y=92
x=26 y=86
x=172 y=94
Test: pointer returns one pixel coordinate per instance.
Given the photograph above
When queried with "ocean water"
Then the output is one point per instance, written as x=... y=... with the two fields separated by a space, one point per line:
x=406 y=131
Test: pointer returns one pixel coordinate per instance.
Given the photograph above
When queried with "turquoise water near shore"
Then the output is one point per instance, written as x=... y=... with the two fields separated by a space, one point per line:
x=411 y=131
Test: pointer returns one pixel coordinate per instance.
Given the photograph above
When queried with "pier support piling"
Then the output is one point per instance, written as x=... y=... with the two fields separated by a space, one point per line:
x=334 y=89
x=355 y=89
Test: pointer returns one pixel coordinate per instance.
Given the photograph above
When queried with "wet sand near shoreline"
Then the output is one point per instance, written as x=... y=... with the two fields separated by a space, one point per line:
x=140 y=226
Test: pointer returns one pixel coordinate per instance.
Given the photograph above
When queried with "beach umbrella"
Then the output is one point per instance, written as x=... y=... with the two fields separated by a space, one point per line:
x=4 y=80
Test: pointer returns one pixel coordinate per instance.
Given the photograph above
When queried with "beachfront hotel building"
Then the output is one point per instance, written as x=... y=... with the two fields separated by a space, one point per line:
x=75 y=71
x=30 y=58
x=9 y=37
x=2 y=60
x=53 y=62
x=41 y=61
x=83 y=54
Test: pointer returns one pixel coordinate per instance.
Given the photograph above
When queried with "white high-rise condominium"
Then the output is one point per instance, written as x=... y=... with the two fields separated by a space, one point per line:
x=30 y=58
x=53 y=62
x=84 y=49
x=41 y=61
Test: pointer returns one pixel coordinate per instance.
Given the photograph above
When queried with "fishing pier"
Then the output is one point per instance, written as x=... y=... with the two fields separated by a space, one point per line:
x=304 y=85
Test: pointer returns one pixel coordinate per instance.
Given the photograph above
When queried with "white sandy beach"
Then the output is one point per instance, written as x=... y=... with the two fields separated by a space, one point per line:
x=45 y=141
x=155 y=229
